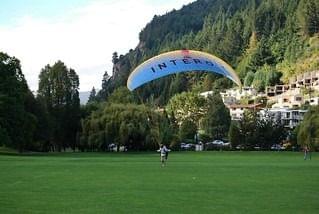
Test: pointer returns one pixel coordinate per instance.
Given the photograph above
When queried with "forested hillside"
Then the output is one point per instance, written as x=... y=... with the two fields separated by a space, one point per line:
x=267 y=42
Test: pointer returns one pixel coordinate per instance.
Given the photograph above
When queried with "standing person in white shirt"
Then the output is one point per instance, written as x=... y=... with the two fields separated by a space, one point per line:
x=163 y=151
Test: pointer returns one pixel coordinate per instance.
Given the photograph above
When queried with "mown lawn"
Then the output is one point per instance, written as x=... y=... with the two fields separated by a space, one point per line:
x=203 y=182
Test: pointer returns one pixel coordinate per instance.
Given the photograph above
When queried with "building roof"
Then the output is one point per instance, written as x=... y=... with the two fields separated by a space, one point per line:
x=246 y=106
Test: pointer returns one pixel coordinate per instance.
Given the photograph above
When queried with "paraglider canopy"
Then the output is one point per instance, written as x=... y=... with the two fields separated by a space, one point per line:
x=176 y=62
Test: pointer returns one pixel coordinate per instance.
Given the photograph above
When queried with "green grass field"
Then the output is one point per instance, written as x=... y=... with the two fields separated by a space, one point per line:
x=207 y=182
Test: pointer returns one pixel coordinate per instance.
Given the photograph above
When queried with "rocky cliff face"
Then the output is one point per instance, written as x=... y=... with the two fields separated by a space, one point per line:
x=127 y=63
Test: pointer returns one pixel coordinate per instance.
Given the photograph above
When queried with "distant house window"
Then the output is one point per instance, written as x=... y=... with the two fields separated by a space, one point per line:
x=298 y=98
x=285 y=100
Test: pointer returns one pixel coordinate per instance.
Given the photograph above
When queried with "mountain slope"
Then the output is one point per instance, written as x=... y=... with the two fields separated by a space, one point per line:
x=262 y=38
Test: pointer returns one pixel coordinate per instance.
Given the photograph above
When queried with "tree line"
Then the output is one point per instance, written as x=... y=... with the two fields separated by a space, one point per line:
x=50 y=120
x=53 y=120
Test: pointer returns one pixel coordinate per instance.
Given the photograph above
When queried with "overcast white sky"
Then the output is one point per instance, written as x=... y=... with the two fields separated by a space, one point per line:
x=81 y=33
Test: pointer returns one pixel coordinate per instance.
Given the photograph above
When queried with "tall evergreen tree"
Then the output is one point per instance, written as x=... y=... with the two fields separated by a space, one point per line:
x=58 y=87
x=92 y=96
x=308 y=14
x=16 y=124
x=115 y=57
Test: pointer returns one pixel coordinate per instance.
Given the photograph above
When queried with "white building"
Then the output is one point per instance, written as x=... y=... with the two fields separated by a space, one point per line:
x=313 y=101
x=237 y=111
x=289 y=99
x=292 y=98
x=206 y=93
x=289 y=117
x=308 y=79
x=231 y=96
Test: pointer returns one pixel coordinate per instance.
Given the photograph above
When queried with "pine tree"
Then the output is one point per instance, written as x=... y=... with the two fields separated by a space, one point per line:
x=16 y=123
x=92 y=96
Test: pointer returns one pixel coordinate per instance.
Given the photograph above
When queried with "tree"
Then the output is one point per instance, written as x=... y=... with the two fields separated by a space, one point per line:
x=5 y=138
x=234 y=135
x=92 y=96
x=263 y=54
x=248 y=127
x=217 y=119
x=256 y=130
x=249 y=78
x=232 y=45
x=137 y=127
x=178 y=85
x=293 y=136
x=259 y=82
x=105 y=80
x=273 y=77
x=246 y=65
x=58 y=87
x=308 y=131
x=269 y=132
x=121 y=95
x=115 y=57
x=269 y=18
x=167 y=130
x=73 y=112
x=308 y=16
x=38 y=124
x=208 y=82
x=43 y=134
x=187 y=130
x=187 y=106
x=13 y=115
x=265 y=76
x=222 y=83
x=105 y=91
